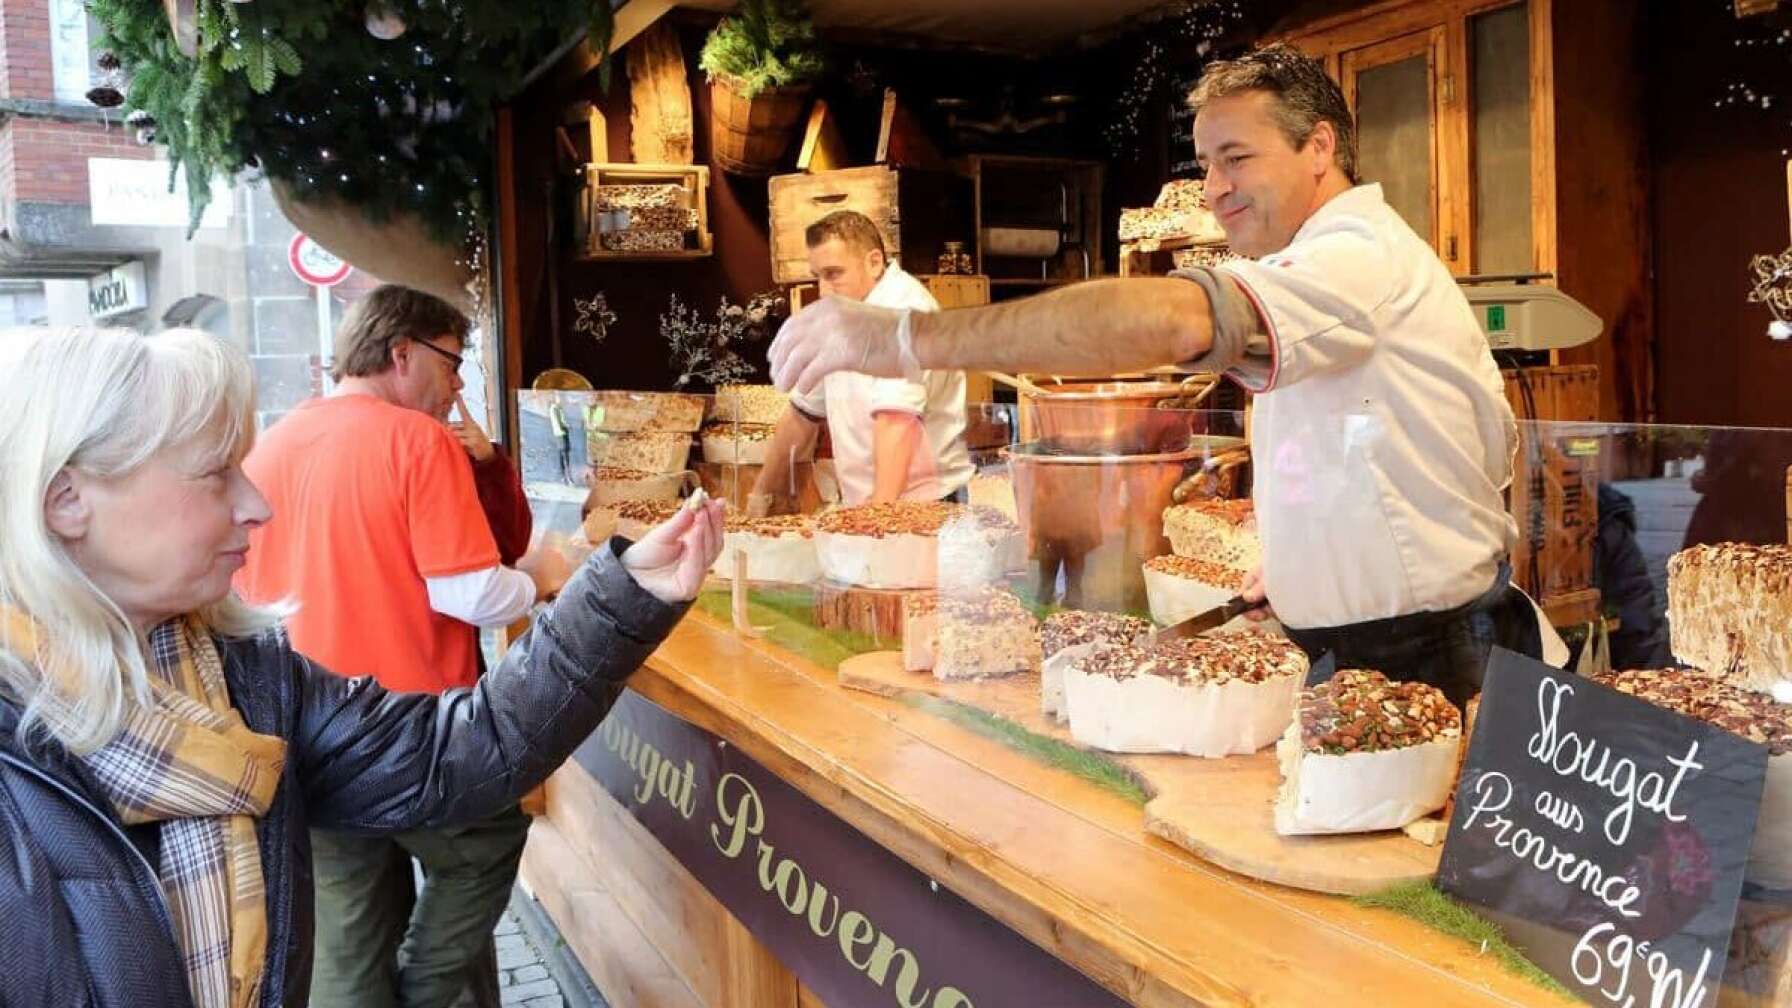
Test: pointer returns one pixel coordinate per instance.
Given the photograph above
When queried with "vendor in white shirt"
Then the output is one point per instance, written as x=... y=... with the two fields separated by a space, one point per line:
x=1382 y=434
x=894 y=438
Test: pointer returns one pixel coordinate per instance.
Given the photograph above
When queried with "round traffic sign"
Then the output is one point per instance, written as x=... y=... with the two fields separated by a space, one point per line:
x=315 y=264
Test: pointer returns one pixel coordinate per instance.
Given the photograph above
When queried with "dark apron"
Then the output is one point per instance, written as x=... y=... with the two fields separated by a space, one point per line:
x=1447 y=649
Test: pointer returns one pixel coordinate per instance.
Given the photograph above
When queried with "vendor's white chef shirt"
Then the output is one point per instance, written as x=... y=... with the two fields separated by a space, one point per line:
x=1382 y=433
x=849 y=400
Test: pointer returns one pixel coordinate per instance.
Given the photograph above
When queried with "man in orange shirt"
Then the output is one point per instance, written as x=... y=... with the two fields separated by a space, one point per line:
x=379 y=538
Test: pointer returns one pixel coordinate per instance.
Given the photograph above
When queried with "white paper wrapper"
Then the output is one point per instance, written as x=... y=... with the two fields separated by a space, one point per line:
x=1174 y=599
x=1051 y=677
x=783 y=559
x=1361 y=792
x=920 y=634
x=913 y=561
x=1152 y=714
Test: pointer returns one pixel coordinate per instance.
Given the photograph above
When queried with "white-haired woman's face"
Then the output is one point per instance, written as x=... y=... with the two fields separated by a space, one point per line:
x=164 y=539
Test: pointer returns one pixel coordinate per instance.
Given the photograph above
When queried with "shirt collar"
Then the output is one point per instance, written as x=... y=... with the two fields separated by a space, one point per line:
x=1357 y=201
x=892 y=274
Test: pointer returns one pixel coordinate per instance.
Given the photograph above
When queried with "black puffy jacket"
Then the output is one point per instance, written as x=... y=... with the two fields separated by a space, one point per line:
x=82 y=917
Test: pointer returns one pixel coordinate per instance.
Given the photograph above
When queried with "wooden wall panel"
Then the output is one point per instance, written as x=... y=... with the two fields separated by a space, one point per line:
x=1603 y=246
x=710 y=952
x=618 y=957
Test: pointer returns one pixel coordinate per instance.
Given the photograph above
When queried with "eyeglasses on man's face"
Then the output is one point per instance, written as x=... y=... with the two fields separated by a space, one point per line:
x=453 y=358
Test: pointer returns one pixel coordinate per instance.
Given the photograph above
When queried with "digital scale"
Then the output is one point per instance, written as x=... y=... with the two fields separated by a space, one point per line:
x=1519 y=314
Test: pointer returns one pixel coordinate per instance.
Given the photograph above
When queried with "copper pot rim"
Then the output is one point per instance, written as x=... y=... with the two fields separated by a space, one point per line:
x=1200 y=446
x=1107 y=392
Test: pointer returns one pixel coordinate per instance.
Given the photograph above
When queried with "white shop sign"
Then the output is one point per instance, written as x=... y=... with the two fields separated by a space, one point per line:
x=127 y=193
x=117 y=291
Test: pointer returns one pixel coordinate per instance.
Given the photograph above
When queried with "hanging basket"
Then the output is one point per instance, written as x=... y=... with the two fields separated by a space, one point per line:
x=748 y=136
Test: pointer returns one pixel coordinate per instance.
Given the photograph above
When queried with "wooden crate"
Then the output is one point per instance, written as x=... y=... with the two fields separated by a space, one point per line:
x=917 y=211
x=800 y=200
x=694 y=179
x=1555 y=489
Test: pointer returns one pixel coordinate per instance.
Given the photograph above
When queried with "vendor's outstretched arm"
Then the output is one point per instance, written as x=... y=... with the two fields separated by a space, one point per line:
x=1097 y=327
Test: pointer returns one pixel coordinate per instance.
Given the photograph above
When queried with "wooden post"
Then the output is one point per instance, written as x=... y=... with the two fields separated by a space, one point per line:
x=823 y=148
x=738 y=596
x=599 y=130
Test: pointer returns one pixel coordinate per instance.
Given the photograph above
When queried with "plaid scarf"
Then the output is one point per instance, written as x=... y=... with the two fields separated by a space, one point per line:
x=189 y=763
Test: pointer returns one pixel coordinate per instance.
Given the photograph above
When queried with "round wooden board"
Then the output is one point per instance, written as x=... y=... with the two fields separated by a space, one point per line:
x=1219 y=809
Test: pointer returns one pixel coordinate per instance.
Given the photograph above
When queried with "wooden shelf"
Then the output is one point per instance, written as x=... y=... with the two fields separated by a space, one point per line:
x=645 y=256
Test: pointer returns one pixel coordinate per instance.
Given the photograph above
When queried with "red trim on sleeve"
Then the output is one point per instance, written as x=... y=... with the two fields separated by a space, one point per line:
x=1275 y=339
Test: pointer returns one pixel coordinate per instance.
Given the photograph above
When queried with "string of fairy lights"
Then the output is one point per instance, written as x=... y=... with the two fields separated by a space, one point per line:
x=1195 y=27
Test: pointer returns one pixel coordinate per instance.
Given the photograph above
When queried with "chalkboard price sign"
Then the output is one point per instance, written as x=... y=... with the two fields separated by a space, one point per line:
x=1606 y=835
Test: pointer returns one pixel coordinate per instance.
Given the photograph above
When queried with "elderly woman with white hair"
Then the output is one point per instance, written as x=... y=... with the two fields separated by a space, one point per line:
x=163 y=750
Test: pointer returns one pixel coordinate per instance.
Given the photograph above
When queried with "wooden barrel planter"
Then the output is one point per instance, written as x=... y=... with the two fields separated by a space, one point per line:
x=748 y=136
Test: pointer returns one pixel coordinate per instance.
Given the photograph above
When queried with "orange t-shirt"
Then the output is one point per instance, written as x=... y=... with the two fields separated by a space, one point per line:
x=368 y=500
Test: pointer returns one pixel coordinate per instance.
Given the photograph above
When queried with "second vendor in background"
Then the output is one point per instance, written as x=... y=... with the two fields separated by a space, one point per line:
x=893 y=439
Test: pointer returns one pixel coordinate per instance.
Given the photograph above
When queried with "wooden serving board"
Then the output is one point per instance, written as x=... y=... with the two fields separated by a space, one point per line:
x=1219 y=809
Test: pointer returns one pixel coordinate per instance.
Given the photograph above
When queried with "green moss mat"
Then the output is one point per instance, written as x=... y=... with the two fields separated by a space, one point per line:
x=785 y=615
x=1092 y=767
x=1424 y=903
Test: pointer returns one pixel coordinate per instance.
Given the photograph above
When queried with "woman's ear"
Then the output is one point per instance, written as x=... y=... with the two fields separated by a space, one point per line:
x=66 y=511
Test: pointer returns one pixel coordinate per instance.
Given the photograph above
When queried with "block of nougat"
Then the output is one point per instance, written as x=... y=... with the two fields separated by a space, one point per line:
x=1068 y=637
x=1366 y=754
x=1218 y=695
x=979 y=633
x=1730 y=612
x=1221 y=532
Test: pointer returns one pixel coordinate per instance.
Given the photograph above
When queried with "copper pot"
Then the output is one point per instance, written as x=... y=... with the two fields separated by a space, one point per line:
x=1098 y=518
x=1113 y=418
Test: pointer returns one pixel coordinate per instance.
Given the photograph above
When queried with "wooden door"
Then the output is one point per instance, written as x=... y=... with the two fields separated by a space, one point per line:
x=1400 y=91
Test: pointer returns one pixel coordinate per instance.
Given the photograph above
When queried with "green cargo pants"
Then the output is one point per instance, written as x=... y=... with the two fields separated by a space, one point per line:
x=381 y=943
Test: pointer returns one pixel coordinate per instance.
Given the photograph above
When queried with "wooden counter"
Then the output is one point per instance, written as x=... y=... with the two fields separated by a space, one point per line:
x=1059 y=860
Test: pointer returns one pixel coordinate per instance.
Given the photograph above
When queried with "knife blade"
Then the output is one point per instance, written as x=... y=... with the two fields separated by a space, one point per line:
x=1200 y=623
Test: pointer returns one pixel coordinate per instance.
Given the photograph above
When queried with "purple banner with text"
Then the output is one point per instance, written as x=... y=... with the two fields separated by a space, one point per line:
x=856 y=924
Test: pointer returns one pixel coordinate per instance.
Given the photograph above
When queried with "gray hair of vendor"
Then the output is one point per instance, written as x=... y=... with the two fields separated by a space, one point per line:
x=1305 y=96
x=386 y=316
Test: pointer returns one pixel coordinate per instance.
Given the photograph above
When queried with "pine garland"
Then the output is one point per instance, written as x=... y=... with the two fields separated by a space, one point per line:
x=302 y=91
x=766 y=43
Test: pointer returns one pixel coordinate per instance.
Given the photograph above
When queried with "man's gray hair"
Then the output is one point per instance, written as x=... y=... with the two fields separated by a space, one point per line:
x=1305 y=96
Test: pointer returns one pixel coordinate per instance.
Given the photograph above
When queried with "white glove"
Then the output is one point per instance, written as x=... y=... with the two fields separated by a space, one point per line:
x=839 y=334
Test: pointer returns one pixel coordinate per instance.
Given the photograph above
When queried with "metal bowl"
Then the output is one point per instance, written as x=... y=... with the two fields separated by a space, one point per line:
x=1096 y=519
x=1112 y=418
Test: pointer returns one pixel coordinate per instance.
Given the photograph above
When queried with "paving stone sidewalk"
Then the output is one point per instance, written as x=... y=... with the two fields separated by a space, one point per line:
x=535 y=970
